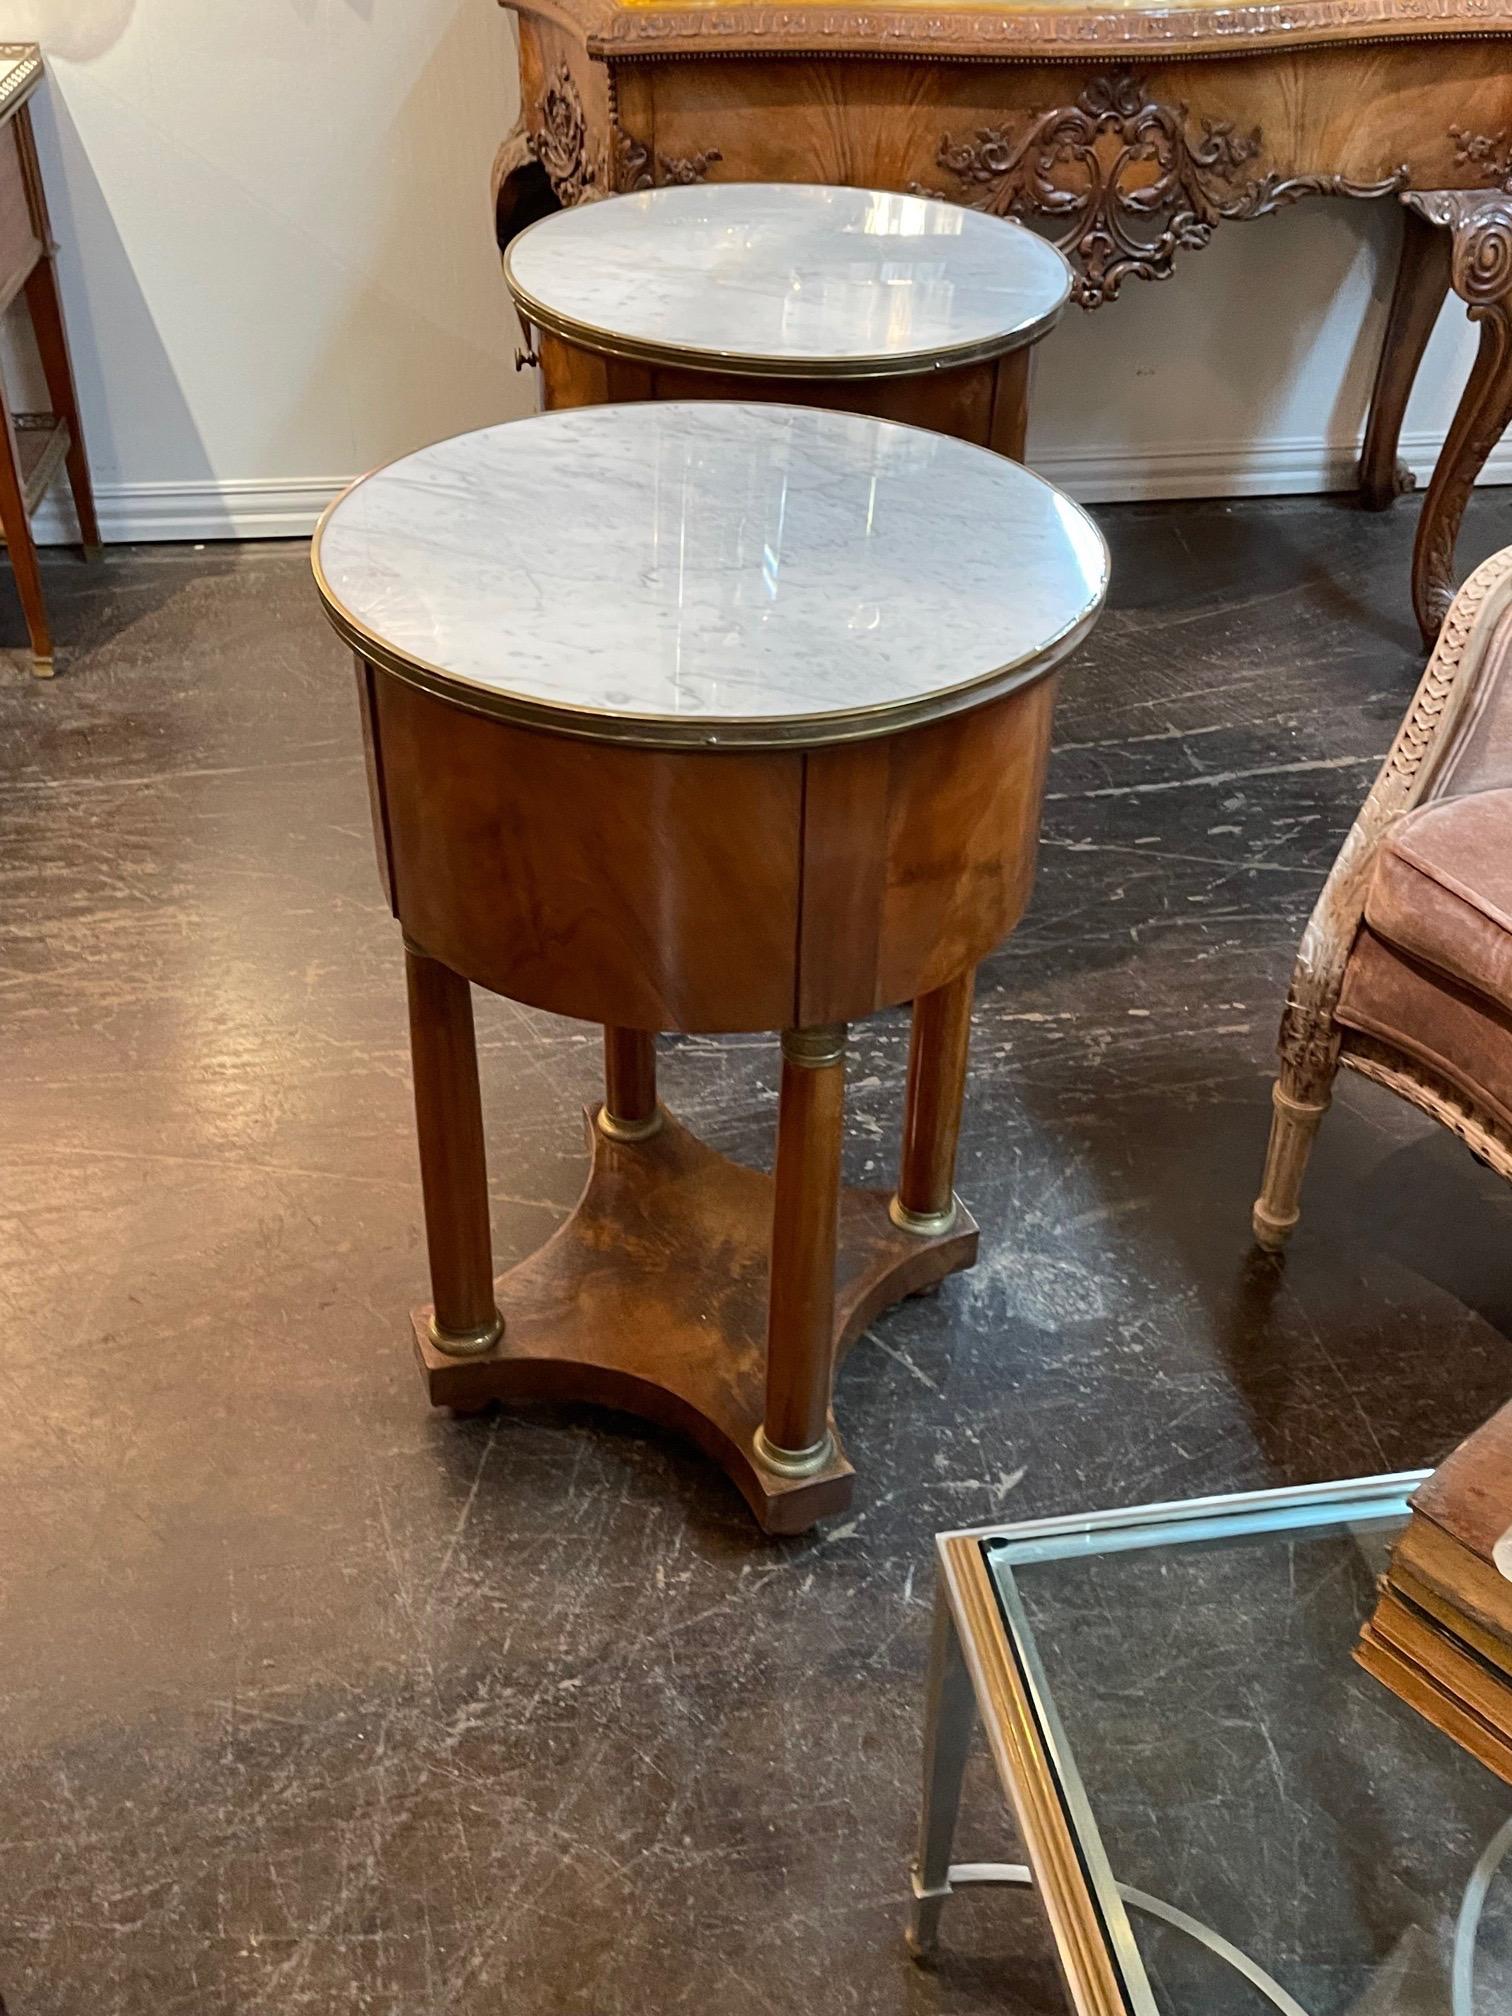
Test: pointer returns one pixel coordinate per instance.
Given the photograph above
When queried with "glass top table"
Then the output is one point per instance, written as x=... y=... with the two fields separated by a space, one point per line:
x=1222 y=1815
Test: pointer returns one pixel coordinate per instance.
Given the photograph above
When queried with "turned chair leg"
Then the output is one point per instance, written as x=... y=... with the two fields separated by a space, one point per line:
x=925 y=1201
x=453 y=1167
x=794 y=1439
x=1296 y=1111
x=629 y=1111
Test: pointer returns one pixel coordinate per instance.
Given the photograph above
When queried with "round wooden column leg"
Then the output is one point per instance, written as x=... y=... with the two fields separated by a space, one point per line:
x=453 y=1171
x=629 y=1111
x=925 y=1201
x=794 y=1439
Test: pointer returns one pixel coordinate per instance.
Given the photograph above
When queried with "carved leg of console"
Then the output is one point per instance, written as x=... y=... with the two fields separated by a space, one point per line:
x=794 y=1439
x=1480 y=228
x=629 y=1111
x=937 y=1050
x=1422 y=287
x=453 y=1170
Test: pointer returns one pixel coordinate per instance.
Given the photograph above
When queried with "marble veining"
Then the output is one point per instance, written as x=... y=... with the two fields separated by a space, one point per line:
x=790 y=274
x=714 y=564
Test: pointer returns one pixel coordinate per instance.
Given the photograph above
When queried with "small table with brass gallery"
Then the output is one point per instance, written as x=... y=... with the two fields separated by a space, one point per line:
x=702 y=717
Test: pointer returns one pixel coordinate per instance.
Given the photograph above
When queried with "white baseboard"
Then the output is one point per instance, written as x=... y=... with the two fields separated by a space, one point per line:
x=259 y=509
x=268 y=509
x=1298 y=467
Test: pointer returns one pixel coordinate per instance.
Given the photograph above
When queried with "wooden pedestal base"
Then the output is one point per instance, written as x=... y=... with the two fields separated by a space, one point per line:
x=652 y=1298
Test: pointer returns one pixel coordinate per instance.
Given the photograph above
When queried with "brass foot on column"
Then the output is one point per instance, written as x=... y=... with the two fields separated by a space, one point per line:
x=42 y=668
x=793 y=1462
x=927 y=1224
x=466 y=1343
x=614 y=1129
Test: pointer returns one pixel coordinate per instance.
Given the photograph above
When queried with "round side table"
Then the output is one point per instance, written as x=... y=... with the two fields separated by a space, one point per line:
x=898 y=306
x=702 y=717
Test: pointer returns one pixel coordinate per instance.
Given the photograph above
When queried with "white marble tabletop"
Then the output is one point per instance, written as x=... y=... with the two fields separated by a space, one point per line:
x=711 y=573
x=785 y=278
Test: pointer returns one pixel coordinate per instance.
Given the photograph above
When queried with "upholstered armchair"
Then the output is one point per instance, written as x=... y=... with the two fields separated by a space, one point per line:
x=1404 y=973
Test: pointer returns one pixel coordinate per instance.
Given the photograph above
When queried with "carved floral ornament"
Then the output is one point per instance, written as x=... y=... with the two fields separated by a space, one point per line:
x=1132 y=180
x=561 y=144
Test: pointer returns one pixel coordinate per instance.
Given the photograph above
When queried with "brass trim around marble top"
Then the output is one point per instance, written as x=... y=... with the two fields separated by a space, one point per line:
x=709 y=733
x=753 y=364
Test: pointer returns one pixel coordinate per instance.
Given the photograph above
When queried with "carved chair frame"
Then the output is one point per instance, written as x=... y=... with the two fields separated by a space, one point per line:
x=1470 y=656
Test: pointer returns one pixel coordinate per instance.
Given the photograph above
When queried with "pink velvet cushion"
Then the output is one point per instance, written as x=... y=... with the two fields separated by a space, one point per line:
x=1431 y=973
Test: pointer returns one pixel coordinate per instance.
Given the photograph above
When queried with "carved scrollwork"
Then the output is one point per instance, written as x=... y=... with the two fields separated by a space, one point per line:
x=1480 y=272
x=560 y=142
x=1481 y=223
x=1132 y=180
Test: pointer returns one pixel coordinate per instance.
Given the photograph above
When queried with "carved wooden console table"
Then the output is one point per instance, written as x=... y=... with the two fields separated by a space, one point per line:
x=1136 y=129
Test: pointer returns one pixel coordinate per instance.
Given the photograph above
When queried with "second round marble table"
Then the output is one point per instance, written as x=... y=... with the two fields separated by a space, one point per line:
x=903 y=307
x=708 y=718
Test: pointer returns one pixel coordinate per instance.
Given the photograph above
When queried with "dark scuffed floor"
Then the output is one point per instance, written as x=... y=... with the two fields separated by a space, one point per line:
x=313 y=1700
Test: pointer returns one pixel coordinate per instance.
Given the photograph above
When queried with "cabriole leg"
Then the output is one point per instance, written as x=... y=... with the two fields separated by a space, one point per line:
x=1479 y=224
x=1422 y=287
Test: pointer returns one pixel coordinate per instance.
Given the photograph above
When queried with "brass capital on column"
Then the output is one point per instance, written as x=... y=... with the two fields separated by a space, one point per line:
x=814 y=1049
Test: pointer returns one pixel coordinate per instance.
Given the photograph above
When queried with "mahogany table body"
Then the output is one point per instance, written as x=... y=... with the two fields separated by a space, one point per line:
x=1136 y=131
x=758 y=898
x=725 y=863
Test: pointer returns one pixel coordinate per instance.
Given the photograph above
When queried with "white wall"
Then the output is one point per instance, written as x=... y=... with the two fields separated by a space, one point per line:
x=279 y=270
x=279 y=265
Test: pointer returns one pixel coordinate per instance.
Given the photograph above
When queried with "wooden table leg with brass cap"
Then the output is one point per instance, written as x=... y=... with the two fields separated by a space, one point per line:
x=629 y=1111
x=575 y=817
x=464 y=1320
x=925 y=1200
x=795 y=1439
